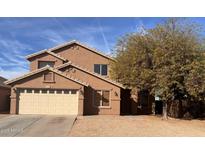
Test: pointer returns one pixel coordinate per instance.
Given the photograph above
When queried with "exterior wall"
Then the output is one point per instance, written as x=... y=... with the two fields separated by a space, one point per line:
x=82 y=56
x=43 y=57
x=4 y=99
x=36 y=81
x=85 y=58
x=96 y=84
x=81 y=101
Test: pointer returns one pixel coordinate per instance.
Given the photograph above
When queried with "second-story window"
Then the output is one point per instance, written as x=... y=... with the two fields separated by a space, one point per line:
x=45 y=63
x=100 y=69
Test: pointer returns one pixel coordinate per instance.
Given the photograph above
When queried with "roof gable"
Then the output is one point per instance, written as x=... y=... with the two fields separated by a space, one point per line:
x=50 y=50
x=42 y=70
x=91 y=73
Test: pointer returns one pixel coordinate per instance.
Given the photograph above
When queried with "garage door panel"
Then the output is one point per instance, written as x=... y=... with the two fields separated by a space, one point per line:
x=47 y=103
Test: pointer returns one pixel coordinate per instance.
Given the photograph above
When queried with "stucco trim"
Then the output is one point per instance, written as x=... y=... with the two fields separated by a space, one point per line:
x=89 y=72
x=69 y=43
x=46 y=51
x=44 y=69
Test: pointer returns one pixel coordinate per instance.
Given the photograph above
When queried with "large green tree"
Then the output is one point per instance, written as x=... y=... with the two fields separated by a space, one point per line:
x=166 y=60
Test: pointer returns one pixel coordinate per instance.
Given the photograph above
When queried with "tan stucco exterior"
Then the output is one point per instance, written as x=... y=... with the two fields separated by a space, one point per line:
x=37 y=82
x=43 y=57
x=96 y=84
x=83 y=57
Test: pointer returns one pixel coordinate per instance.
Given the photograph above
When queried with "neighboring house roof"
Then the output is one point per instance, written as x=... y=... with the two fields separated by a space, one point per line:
x=43 y=69
x=69 y=43
x=46 y=51
x=2 y=80
x=92 y=73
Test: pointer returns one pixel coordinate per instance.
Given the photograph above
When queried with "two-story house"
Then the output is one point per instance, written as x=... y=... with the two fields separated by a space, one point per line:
x=71 y=78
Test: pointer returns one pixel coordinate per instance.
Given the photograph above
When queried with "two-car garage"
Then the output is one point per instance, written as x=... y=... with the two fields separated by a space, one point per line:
x=48 y=101
x=34 y=94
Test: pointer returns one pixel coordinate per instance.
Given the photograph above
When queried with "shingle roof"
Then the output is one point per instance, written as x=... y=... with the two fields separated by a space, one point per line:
x=90 y=72
x=69 y=43
x=2 y=80
x=43 y=69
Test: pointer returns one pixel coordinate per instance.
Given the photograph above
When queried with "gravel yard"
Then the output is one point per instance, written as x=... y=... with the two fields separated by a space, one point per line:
x=136 y=126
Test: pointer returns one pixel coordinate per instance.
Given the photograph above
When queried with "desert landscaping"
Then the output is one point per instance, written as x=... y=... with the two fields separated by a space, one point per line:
x=136 y=126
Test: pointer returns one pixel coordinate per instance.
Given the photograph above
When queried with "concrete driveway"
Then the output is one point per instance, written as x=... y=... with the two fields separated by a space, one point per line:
x=35 y=125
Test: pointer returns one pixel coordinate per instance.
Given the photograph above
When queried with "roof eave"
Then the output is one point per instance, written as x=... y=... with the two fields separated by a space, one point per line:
x=8 y=82
x=70 y=63
x=69 y=43
x=35 y=54
x=41 y=70
x=45 y=51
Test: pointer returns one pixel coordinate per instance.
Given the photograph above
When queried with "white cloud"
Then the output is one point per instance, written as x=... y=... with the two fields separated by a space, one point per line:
x=53 y=36
x=101 y=29
x=88 y=30
x=86 y=34
x=13 y=46
x=13 y=51
x=10 y=74
x=12 y=62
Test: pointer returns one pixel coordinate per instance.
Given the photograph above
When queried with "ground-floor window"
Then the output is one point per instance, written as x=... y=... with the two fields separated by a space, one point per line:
x=102 y=98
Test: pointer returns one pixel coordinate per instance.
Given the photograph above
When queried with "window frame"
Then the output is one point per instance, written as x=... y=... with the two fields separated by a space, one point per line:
x=52 y=77
x=101 y=65
x=96 y=66
x=101 y=92
x=106 y=69
x=49 y=61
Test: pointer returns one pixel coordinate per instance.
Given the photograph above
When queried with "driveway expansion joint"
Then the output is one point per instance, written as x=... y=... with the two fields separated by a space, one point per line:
x=28 y=126
x=72 y=125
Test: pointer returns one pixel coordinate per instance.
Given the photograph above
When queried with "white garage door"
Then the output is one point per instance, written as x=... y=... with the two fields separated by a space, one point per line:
x=53 y=102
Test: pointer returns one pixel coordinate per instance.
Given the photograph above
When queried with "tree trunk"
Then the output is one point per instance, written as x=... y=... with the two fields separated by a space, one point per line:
x=180 y=109
x=175 y=109
x=165 y=117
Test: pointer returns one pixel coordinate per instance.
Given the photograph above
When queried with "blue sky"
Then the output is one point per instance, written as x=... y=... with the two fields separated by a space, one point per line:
x=22 y=36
